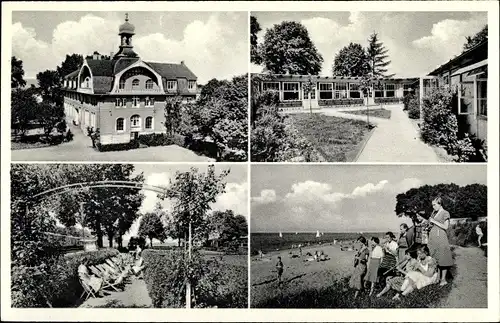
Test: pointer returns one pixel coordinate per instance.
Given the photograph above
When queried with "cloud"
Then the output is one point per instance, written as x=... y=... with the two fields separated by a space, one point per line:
x=311 y=191
x=235 y=198
x=369 y=188
x=215 y=48
x=266 y=196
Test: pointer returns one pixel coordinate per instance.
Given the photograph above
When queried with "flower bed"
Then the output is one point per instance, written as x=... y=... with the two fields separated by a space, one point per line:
x=388 y=100
x=341 y=102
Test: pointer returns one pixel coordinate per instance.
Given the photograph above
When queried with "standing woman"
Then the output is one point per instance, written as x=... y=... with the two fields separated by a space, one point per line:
x=438 y=238
x=360 y=260
x=403 y=241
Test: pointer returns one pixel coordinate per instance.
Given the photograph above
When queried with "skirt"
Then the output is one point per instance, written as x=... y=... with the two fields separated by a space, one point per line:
x=372 y=271
x=356 y=281
x=440 y=247
x=421 y=280
x=396 y=282
x=401 y=253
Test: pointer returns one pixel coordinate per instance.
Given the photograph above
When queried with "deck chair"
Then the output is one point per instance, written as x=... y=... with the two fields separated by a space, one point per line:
x=87 y=290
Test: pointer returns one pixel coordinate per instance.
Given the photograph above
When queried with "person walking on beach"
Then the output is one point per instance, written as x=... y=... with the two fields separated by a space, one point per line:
x=360 y=260
x=373 y=263
x=438 y=238
x=279 y=269
x=479 y=233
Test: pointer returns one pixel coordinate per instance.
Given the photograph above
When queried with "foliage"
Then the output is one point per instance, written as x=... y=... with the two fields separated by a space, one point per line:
x=133 y=242
x=172 y=112
x=223 y=116
x=152 y=227
x=16 y=73
x=254 y=50
x=287 y=48
x=413 y=107
x=461 y=201
x=155 y=139
x=268 y=136
x=478 y=38
x=464 y=234
x=377 y=57
x=351 y=60
x=228 y=226
x=133 y=144
x=51 y=116
x=24 y=108
x=50 y=84
x=70 y=64
x=192 y=194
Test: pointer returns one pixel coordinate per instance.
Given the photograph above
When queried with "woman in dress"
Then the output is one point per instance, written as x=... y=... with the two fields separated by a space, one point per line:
x=403 y=241
x=360 y=260
x=438 y=238
x=373 y=263
x=424 y=273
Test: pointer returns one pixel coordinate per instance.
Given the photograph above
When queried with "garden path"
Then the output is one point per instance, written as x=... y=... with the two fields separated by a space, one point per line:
x=134 y=295
x=80 y=149
x=470 y=283
x=393 y=140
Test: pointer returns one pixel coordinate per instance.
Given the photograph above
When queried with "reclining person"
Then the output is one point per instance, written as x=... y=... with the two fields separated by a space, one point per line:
x=94 y=282
x=138 y=266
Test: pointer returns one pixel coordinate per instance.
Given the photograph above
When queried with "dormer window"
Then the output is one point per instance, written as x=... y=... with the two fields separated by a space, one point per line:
x=149 y=84
x=171 y=85
x=121 y=86
x=86 y=83
x=135 y=84
x=192 y=85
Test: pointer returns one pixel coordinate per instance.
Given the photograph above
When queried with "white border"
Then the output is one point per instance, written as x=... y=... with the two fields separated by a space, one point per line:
x=419 y=315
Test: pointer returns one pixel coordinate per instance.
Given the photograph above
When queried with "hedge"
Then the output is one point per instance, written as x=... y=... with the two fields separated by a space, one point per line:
x=388 y=100
x=464 y=234
x=340 y=102
x=118 y=147
x=155 y=139
x=60 y=285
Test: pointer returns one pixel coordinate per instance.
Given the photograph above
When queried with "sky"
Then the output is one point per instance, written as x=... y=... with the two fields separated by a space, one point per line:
x=342 y=198
x=235 y=198
x=418 y=42
x=212 y=44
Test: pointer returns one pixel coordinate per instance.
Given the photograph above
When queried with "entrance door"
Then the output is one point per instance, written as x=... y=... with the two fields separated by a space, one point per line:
x=310 y=100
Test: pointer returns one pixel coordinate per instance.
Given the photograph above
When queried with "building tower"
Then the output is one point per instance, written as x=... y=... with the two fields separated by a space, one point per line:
x=126 y=31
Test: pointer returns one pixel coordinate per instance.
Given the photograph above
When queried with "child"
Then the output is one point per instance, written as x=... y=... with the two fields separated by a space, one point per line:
x=374 y=262
x=279 y=268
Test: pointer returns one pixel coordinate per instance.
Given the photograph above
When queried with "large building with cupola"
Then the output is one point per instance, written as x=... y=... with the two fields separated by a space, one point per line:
x=122 y=95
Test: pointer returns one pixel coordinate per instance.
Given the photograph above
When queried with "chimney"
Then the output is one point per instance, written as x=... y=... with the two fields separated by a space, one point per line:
x=182 y=62
x=111 y=55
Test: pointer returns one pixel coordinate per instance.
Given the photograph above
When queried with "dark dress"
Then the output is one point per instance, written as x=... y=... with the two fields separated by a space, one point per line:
x=438 y=241
x=356 y=281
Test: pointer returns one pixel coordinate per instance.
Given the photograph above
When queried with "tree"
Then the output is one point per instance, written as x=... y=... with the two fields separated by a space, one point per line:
x=207 y=91
x=461 y=201
x=151 y=227
x=478 y=38
x=17 y=73
x=172 y=113
x=50 y=85
x=24 y=108
x=70 y=64
x=377 y=57
x=351 y=60
x=287 y=48
x=254 y=50
x=50 y=116
x=228 y=226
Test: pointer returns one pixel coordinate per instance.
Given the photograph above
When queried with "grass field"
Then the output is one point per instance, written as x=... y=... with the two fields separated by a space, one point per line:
x=379 y=113
x=336 y=139
x=323 y=284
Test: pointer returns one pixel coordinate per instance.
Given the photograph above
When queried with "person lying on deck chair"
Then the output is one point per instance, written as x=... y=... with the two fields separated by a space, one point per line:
x=91 y=280
x=138 y=266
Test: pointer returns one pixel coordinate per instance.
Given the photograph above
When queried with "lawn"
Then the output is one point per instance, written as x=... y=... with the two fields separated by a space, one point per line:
x=336 y=139
x=378 y=113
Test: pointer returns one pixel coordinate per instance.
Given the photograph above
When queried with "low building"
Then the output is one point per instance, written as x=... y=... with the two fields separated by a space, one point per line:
x=124 y=96
x=467 y=76
x=334 y=91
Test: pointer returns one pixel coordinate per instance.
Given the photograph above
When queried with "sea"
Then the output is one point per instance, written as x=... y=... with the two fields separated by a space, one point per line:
x=271 y=241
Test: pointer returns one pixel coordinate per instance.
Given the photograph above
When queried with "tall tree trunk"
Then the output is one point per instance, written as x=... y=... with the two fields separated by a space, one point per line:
x=120 y=240
x=110 y=239
x=98 y=233
x=151 y=241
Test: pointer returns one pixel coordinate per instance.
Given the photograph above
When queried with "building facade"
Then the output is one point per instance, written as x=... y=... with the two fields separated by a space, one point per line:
x=467 y=76
x=124 y=96
x=304 y=92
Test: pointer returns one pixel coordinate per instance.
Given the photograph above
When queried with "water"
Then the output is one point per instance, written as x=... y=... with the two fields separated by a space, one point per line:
x=270 y=241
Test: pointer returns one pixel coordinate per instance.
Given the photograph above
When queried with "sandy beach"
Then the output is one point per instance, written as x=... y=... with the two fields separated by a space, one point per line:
x=298 y=273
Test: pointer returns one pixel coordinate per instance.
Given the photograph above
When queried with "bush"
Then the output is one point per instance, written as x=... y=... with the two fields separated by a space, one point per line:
x=464 y=234
x=134 y=144
x=387 y=100
x=213 y=284
x=155 y=139
x=412 y=106
x=136 y=241
x=69 y=135
x=179 y=140
x=439 y=125
x=406 y=100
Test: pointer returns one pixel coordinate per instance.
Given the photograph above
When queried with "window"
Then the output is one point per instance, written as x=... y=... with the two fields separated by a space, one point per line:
x=407 y=89
x=149 y=123
x=390 y=90
x=86 y=83
x=192 y=85
x=354 y=91
x=149 y=84
x=135 y=84
x=149 y=102
x=290 y=91
x=135 y=121
x=340 y=90
x=466 y=98
x=326 y=91
x=271 y=86
x=120 y=124
x=171 y=85
x=121 y=86
x=118 y=102
x=379 y=90
x=482 y=98
x=135 y=101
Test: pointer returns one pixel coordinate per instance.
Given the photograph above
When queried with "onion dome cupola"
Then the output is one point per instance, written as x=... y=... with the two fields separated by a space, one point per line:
x=126 y=31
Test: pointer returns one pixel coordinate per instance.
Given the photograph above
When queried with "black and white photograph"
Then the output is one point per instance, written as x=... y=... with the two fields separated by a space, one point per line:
x=369 y=236
x=369 y=86
x=129 y=236
x=129 y=86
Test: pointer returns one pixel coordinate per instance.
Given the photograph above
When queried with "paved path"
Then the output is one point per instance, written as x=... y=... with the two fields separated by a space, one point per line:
x=134 y=295
x=469 y=288
x=80 y=149
x=393 y=140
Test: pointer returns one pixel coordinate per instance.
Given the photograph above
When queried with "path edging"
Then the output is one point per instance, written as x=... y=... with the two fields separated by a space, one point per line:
x=364 y=142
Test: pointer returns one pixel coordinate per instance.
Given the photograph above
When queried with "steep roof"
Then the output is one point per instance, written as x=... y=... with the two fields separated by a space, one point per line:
x=471 y=56
x=72 y=74
x=101 y=67
x=102 y=84
x=123 y=63
x=172 y=71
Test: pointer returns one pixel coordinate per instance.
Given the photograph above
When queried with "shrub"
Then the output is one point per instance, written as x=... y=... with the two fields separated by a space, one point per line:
x=406 y=100
x=134 y=144
x=155 y=139
x=179 y=140
x=413 y=108
x=439 y=125
x=69 y=135
x=464 y=234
